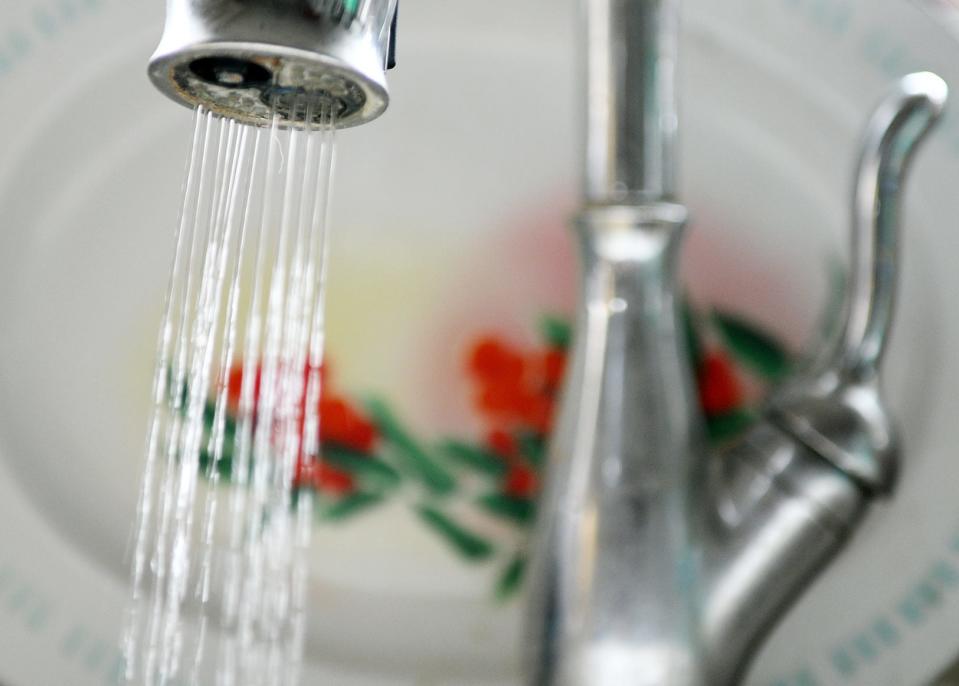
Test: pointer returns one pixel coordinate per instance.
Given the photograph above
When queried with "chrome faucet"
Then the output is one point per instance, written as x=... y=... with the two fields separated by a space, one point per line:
x=656 y=562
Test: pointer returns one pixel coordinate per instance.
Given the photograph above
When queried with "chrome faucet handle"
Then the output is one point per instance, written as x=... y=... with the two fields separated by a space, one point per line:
x=783 y=499
x=836 y=408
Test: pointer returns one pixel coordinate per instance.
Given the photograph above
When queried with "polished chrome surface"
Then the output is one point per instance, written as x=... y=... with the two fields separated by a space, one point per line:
x=613 y=595
x=653 y=562
x=780 y=503
x=247 y=59
x=614 y=572
x=774 y=514
x=630 y=105
x=836 y=408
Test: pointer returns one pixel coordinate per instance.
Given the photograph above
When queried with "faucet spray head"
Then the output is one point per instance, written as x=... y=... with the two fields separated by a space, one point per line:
x=249 y=59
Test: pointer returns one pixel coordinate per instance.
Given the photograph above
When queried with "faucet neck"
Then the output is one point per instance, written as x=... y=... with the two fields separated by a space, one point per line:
x=630 y=100
x=613 y=582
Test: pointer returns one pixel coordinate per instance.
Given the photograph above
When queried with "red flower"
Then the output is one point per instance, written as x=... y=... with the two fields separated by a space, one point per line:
x=234 y=384
x=502 y=443
x=520 y=482
x=234 y=387
x=515 y=390
x=326 y=478
x=719 y=389
x=536 y=412
x=554 y=362
x=493 y=360
x=341 y=424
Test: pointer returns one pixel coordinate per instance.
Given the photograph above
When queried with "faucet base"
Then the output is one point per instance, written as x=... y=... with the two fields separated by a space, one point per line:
x=614 y=574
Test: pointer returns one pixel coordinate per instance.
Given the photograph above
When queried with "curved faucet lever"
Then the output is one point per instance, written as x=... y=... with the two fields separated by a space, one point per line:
x=798 y=482
x=893 y=134
x=836 y=410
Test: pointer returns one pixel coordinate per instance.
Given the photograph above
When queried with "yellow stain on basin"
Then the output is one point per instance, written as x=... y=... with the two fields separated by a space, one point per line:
x=382 y=308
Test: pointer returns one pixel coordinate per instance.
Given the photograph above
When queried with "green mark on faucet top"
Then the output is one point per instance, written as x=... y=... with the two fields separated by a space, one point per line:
x=946 y=573
x=911 y=610
x=351 y=6
x=72 y=641
x=844 y=663
x=38 y=617
x=45 y=22
x=929 y=594
x=865 y=647
x=889 y=55
x=68 y=10
x=886 y=631
x=95 y=656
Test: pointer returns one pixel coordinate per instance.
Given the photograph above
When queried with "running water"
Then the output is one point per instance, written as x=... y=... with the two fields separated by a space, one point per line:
x=219 y=576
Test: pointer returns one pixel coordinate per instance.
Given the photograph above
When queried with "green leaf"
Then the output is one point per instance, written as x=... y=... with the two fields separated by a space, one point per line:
x=511 y=578
x=510 y=507
x=468 y=544
x=412 y=455
x=477 y=459
x=753 y=347
x=532 y=446
x=351 y=506
x=556 y=331
x=367 y=468
x=724 y=426
x=224 y=466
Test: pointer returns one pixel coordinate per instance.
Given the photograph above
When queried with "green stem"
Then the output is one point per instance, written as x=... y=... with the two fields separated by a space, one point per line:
x=411 y=454
x=468 y=544
x=519 y=510
x=511 y=578
x=477 y=459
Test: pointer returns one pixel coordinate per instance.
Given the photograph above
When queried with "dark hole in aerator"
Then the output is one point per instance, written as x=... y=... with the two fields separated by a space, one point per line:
x=230 y=72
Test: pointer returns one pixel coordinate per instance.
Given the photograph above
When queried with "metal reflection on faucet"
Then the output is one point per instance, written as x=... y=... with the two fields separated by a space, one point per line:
x=250 y=59
x=700 y=553
x=655 y=562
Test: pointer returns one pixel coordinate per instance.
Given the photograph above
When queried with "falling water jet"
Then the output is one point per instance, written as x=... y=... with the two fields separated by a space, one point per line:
x=246 y=292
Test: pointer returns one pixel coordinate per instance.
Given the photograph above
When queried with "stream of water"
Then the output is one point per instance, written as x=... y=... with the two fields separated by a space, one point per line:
x=218 y=589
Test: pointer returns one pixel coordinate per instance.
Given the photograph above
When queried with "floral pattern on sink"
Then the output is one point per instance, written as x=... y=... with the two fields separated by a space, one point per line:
x=370 y=456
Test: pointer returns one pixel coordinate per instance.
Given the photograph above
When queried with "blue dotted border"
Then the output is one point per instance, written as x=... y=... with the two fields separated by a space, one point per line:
x=46 y=22
x=97 y=655
x=23 y=603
